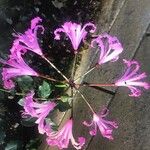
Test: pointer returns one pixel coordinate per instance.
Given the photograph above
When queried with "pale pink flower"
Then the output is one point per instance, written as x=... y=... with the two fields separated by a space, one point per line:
x=132 y=79
x=62 y=137
x=75 y=33
x=105 y=126
x=16 y=67
x=109 y=47
x=29 y=39
x=37 y=110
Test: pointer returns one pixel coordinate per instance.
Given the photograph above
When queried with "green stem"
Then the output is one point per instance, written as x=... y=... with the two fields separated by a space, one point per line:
x=74 y=65
x=19 y=94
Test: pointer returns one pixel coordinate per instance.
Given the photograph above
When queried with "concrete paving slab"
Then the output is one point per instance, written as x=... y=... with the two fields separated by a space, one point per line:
x=132 y=114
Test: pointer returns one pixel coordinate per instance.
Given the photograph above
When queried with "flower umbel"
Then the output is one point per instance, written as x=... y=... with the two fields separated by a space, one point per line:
x=109 y=46
x=38 y=110
x=62 y=137
x=132 y=79
x=17 y=67
x=75 y=33
x=105 y=126
x=29 y=39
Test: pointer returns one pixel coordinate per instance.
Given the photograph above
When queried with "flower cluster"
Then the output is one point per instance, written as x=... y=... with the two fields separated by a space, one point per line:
x=29 y=40
x=37 y=110
x=75 y=33
x=16 y=67
x=109 y=47
x=105 y=126
x=109 y=50
x=132 y=79
x=40 y=111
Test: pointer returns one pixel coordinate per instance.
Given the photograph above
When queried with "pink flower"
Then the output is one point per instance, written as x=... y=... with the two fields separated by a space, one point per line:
x=38 y=110
x=75 y=33
x=61 y=138
x=29 y=39
x=105 y=126
x=17 y=67
x=131 y=78
x=110 y=48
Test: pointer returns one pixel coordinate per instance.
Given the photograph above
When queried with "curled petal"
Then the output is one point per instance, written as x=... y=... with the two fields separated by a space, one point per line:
x=35 y=21
x=56 y=32
x=87 y=124
x=93 y=27
x=134 y=92
x=79 y=145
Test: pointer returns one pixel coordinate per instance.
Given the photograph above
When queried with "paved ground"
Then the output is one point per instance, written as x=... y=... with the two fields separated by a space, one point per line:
x=129 y=23
x=129 y=20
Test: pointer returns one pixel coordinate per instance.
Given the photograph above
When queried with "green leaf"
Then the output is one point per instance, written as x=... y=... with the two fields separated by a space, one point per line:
x=2 y=135
x=66 y=98
x=21 y=102
x=63 y=106
x=44 y=90
x=14 y=145
x=28 y=122
x=33 y=144
x=25 y=83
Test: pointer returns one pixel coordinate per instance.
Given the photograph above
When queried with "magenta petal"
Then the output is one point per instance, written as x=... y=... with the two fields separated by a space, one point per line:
x=92 y=132
x=35 y=21
x=81 y=140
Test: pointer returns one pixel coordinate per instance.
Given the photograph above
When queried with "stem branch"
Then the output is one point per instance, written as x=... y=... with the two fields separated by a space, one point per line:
x=56 y=68
x=82 y=76
x=95 y=84
x=85 y=100
x=49 y=78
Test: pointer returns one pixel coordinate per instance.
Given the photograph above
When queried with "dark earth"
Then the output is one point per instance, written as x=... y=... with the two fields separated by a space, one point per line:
x=15 y=16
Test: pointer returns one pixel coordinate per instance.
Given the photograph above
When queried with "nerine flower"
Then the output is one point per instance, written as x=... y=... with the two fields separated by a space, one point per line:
x=29 y=39
x=132 y=79
x=75 y=33
x=62 y=137
x=105 y=126
x=17 y=67
x=109 y=47
x=37 y=110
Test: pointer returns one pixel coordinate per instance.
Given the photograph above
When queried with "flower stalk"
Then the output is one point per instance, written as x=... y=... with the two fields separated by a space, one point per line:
x=88 y=104
x=82 y=76
x=55 y=68
x=49 y=78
